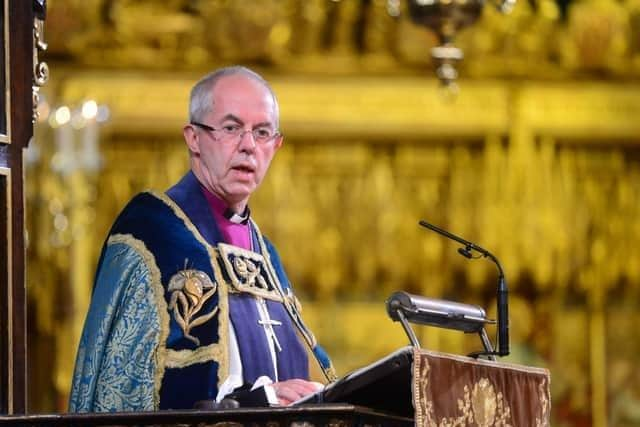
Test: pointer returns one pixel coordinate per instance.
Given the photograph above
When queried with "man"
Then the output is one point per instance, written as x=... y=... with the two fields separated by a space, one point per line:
x=190 y=301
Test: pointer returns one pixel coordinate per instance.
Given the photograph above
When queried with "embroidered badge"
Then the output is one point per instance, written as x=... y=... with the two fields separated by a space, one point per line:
x=190 y=289
x=247 y=272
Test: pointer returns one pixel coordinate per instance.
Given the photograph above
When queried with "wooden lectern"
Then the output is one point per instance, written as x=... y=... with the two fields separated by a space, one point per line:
x=410 y=387
x=438 y=389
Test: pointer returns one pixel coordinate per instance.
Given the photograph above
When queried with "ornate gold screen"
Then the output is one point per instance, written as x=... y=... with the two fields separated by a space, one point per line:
x=536 y=159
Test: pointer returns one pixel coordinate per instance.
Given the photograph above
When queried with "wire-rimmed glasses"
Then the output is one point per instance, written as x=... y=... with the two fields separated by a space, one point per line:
x=261 y=135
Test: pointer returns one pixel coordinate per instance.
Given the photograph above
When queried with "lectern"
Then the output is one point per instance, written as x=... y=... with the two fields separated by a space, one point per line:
x=436 y=389
x=409 y=387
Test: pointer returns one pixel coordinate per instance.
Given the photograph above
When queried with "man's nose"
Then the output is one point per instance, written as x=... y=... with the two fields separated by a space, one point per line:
x=247 y=143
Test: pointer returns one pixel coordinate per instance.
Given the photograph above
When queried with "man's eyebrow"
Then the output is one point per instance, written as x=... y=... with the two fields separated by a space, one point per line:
x=241 y=122
x=232 y=118
x=263 y=125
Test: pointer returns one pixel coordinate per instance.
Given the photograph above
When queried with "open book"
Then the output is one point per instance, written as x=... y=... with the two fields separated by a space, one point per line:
x=384 y=385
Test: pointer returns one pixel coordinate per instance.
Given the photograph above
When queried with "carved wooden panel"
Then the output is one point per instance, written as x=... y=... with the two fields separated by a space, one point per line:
x=5 y=280
x=5 y=134
x=16 y=75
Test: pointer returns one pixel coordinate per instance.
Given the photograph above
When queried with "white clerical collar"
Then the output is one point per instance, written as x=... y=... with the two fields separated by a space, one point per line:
x=236 y=218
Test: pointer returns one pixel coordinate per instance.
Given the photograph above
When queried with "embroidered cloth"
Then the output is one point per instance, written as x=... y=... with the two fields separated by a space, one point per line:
x=451 y=390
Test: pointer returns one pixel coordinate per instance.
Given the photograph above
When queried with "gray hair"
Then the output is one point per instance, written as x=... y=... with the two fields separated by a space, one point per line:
x=201 y=102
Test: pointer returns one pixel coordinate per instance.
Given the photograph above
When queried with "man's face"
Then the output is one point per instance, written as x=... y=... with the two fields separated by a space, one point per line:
x=229 y=166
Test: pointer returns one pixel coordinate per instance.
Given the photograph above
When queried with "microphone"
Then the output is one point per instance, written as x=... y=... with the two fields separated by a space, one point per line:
x=465 y=252
x=502 y=293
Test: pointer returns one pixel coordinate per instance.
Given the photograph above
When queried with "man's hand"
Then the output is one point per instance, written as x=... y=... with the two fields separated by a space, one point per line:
x=289 y=391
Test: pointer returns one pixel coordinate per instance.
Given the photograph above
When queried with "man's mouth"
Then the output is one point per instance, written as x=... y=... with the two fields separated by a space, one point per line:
x=244 y=168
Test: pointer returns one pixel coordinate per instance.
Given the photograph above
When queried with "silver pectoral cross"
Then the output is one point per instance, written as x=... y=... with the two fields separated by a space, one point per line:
x=268 y=323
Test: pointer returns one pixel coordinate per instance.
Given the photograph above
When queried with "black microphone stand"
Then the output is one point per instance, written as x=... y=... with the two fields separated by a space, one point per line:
x=502 y=293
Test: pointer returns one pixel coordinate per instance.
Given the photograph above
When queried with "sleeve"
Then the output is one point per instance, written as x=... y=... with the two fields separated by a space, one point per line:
x=116 y=365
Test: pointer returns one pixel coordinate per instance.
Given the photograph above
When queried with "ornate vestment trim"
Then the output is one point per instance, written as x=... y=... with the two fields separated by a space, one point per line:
x=161 y=304
x=248 y=273
x=207 y=353
x=184 y=358
x=180 y=214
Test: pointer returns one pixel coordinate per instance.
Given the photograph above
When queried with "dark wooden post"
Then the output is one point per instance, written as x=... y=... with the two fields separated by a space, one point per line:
x=16 y=129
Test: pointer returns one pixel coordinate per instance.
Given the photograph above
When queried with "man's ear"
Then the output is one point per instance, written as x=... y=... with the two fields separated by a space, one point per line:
x=279 y=142
x=191 y=138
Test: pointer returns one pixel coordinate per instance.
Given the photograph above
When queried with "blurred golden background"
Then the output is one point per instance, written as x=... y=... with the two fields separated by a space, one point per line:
x=536 y=158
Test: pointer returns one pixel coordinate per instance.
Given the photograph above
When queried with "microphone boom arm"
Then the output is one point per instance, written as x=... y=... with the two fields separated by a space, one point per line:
x=502 y=292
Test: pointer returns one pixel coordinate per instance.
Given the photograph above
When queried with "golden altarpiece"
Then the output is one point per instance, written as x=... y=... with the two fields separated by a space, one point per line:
x=536 y=157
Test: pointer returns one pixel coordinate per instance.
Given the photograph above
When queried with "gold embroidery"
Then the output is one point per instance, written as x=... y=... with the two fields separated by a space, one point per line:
x=223 y=305
x=184 y=358
x=223 y=322
x=544 y=392
x=483 y=402
x=247 y=272
x=480 y=406
x=464 y=405
x=161 y=304
x=424 y=406
x=190 y=289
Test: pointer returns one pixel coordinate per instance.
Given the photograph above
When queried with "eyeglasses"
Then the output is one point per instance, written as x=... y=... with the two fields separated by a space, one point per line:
x=261 y=134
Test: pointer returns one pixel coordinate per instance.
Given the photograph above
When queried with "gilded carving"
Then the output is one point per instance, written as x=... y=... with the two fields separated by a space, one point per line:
x=553 y=38
x=542 y=171
x=597 y=36
x=40 y=68
x=225 y=424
